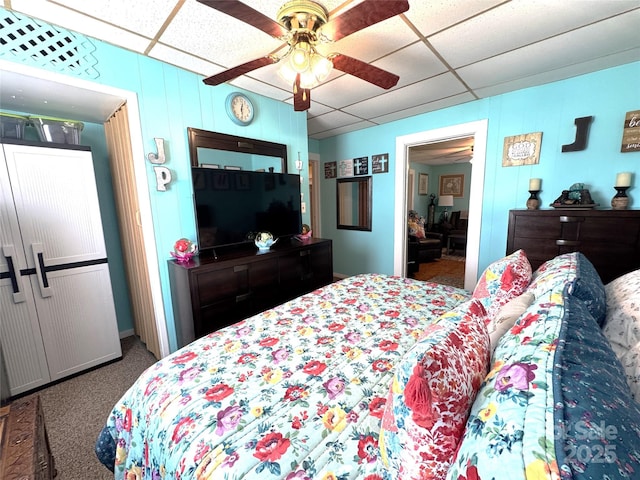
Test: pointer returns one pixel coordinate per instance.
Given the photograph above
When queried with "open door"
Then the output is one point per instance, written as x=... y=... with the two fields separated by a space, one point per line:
x=126 y=200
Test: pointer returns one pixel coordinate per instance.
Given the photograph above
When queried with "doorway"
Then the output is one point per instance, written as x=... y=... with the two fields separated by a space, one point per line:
x=476 y=129
x=432 y=161
x=97 y=102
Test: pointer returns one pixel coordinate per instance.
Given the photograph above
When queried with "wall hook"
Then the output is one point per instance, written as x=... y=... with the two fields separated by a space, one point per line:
x=157 y=158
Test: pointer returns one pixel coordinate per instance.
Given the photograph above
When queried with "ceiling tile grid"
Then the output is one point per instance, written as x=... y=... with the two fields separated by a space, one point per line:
x=445 y=52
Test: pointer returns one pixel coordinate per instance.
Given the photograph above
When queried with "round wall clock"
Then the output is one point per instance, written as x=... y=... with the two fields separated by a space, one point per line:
x=240 y=109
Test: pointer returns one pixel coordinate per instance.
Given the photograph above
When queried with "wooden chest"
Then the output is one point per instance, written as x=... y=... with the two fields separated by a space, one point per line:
x=24 y=447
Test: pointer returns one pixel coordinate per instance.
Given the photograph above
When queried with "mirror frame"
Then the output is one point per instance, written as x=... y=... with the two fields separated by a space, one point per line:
x=220 y=141
x=369 y=197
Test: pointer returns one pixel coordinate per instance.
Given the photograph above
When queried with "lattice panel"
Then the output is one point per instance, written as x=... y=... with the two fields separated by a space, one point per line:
x=25 y=39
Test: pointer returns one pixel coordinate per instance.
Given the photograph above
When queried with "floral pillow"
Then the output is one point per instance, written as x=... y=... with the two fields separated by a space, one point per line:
x=503 y=280
x=416 y=224
x=622 y=325
x=507 y=316
x=431 y=394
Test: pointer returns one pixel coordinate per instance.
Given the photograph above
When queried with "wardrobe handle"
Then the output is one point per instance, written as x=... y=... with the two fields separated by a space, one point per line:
x=16 y=280
x=43 y=282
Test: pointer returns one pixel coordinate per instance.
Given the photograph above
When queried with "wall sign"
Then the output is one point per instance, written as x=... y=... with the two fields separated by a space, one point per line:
x=380 y=163
x=631 y=132
x=361 y=166
x=330 y=170
x=345 y=168
x=521 y=150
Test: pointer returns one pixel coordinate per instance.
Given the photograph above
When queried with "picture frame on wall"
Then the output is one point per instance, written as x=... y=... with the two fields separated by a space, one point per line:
x=452 y=185
x=423 y=184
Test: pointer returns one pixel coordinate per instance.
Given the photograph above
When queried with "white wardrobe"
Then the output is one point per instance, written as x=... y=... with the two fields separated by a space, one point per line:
x=57 y=315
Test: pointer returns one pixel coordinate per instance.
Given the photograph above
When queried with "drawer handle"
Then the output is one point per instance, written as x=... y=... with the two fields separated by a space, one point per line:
x=566 y=219
x=567 y=243
x=243 y=297
x=240 y=268
x=304 y=253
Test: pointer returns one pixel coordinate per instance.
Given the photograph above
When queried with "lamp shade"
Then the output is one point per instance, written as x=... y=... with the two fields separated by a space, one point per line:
x=445 y=201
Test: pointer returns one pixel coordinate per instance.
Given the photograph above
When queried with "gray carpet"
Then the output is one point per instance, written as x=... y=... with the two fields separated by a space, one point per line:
x=75 y=411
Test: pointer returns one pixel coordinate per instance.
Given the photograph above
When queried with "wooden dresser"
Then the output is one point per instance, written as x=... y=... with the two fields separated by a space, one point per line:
x=610 y=239
x=24 y=446
x=208 y=294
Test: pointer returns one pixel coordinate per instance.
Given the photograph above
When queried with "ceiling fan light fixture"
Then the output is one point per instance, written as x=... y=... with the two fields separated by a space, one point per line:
x=300 y=57
x=312 y=67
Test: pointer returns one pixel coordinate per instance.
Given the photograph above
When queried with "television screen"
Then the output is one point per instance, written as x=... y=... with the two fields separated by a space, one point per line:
x=232 y=204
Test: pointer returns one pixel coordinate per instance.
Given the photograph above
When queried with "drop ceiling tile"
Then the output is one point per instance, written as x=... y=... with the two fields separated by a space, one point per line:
x=68 y=19
x=317 y=108
x=583 y=45
x=181 y=59
x=333 y=119
x=628 y=56
x=436 y=15
x=344 y=91
x=373 y=42
x=144 y=17
x=217 y=37
x=260 y=88
x=341 y=130
x=528 y=22
x=426 y=107
x=412 y=63
x=426 y=91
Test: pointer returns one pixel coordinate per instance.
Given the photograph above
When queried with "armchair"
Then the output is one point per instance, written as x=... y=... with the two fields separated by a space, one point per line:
x=455 y=230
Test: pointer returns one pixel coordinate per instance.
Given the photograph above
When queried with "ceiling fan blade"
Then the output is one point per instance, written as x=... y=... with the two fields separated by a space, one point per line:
x=362 y=16
x=248 y=15
x=363 y=70
x=235 y=72
x=301 y=97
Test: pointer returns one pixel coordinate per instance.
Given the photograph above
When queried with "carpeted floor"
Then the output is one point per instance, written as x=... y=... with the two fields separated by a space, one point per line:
x=448 y=270
x=75 y=411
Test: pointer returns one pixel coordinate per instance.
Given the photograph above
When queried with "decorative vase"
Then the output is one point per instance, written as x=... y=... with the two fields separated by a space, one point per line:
x=620 y=201
x=533 y=202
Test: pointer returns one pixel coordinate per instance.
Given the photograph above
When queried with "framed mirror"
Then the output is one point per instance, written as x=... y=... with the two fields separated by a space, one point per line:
x=353 y=201
x=219 y=150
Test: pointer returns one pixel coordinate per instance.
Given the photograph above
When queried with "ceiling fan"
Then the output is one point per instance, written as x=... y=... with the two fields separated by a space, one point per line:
x=303 y=24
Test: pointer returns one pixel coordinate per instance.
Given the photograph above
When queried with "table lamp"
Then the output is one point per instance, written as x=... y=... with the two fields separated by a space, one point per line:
x=445 y=201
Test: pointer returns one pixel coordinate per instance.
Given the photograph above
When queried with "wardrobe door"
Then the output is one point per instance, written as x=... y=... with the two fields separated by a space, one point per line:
x=58 y=211
x=22 y=345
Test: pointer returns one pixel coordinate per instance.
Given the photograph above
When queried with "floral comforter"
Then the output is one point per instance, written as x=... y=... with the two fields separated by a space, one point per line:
x=296 y=392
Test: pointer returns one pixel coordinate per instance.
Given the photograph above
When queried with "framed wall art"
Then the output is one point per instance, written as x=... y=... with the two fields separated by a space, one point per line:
x=423 y=184
x=521 y=150
x=452 y=185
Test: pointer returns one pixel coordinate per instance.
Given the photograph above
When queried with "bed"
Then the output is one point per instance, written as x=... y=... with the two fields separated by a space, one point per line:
x=379 y=377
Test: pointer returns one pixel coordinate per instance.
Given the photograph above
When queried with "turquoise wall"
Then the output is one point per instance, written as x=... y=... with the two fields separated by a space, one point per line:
x=552 y=108
x=170 y=100
x=421 y=202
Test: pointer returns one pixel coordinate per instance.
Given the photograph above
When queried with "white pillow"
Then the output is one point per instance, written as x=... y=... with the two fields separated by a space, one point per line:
x=622 y=325
x=507 y=316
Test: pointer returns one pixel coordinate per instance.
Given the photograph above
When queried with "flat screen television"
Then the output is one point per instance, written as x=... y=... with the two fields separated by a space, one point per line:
x=231 y=205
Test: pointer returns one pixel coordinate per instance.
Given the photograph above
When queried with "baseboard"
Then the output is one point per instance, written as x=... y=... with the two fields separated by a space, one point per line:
x=127 y=333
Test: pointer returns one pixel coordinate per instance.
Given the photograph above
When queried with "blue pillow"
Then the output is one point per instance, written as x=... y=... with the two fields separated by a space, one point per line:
x=589 y=288
x=596 y=420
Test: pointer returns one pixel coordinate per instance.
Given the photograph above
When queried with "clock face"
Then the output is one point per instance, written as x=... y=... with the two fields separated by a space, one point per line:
x=241 y=109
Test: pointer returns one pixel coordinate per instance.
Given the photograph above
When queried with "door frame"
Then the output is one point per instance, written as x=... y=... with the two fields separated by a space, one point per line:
x=118 y=97
x=478 y=130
